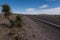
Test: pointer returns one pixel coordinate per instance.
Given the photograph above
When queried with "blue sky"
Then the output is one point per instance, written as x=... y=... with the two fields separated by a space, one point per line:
x=33 y=6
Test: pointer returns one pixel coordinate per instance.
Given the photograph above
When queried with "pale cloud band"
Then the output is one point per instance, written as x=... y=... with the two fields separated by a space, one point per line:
x=50 y=0
x=30 y=9
x=44 y=6
x=51 y=11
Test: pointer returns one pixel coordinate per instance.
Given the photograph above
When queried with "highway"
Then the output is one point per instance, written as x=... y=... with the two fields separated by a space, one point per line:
x=41 y=30
x=50 y=18
x=44 y=21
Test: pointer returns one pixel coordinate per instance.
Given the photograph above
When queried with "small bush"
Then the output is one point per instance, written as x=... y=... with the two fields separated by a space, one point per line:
x=6 y=9
x=7 y=12
x=12 y=22
x=18 y=38
x=18 y=21
x=10 y=34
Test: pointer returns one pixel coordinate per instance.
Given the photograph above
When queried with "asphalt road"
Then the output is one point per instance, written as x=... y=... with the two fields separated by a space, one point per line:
x=37 y=30
x=50 y=18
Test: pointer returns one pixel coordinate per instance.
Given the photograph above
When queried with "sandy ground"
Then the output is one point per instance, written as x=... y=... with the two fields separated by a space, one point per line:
x=40 y=31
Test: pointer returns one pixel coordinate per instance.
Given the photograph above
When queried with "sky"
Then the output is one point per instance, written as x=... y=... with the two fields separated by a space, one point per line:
x=33 y=6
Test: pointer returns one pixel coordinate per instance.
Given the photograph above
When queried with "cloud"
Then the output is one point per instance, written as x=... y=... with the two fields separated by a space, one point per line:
x=50 y=11
x=53 y=11
x=44 y=6
x=30 y=9
x=50 y=0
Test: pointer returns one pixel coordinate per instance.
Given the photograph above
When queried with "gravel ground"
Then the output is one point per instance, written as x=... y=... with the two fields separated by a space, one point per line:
x=40 y=31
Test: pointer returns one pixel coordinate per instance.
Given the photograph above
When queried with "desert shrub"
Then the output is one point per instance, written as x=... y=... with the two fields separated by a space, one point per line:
x=18 y=21
x=12 y=23
x=18 y=38
x=6 y=10
x=10 y=33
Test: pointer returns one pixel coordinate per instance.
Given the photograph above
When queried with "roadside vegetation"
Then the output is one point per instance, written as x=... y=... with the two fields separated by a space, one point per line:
x=17 y=22
x=7 y=13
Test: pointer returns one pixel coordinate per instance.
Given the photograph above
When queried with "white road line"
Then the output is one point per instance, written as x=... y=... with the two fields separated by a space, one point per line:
x=47 y=22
